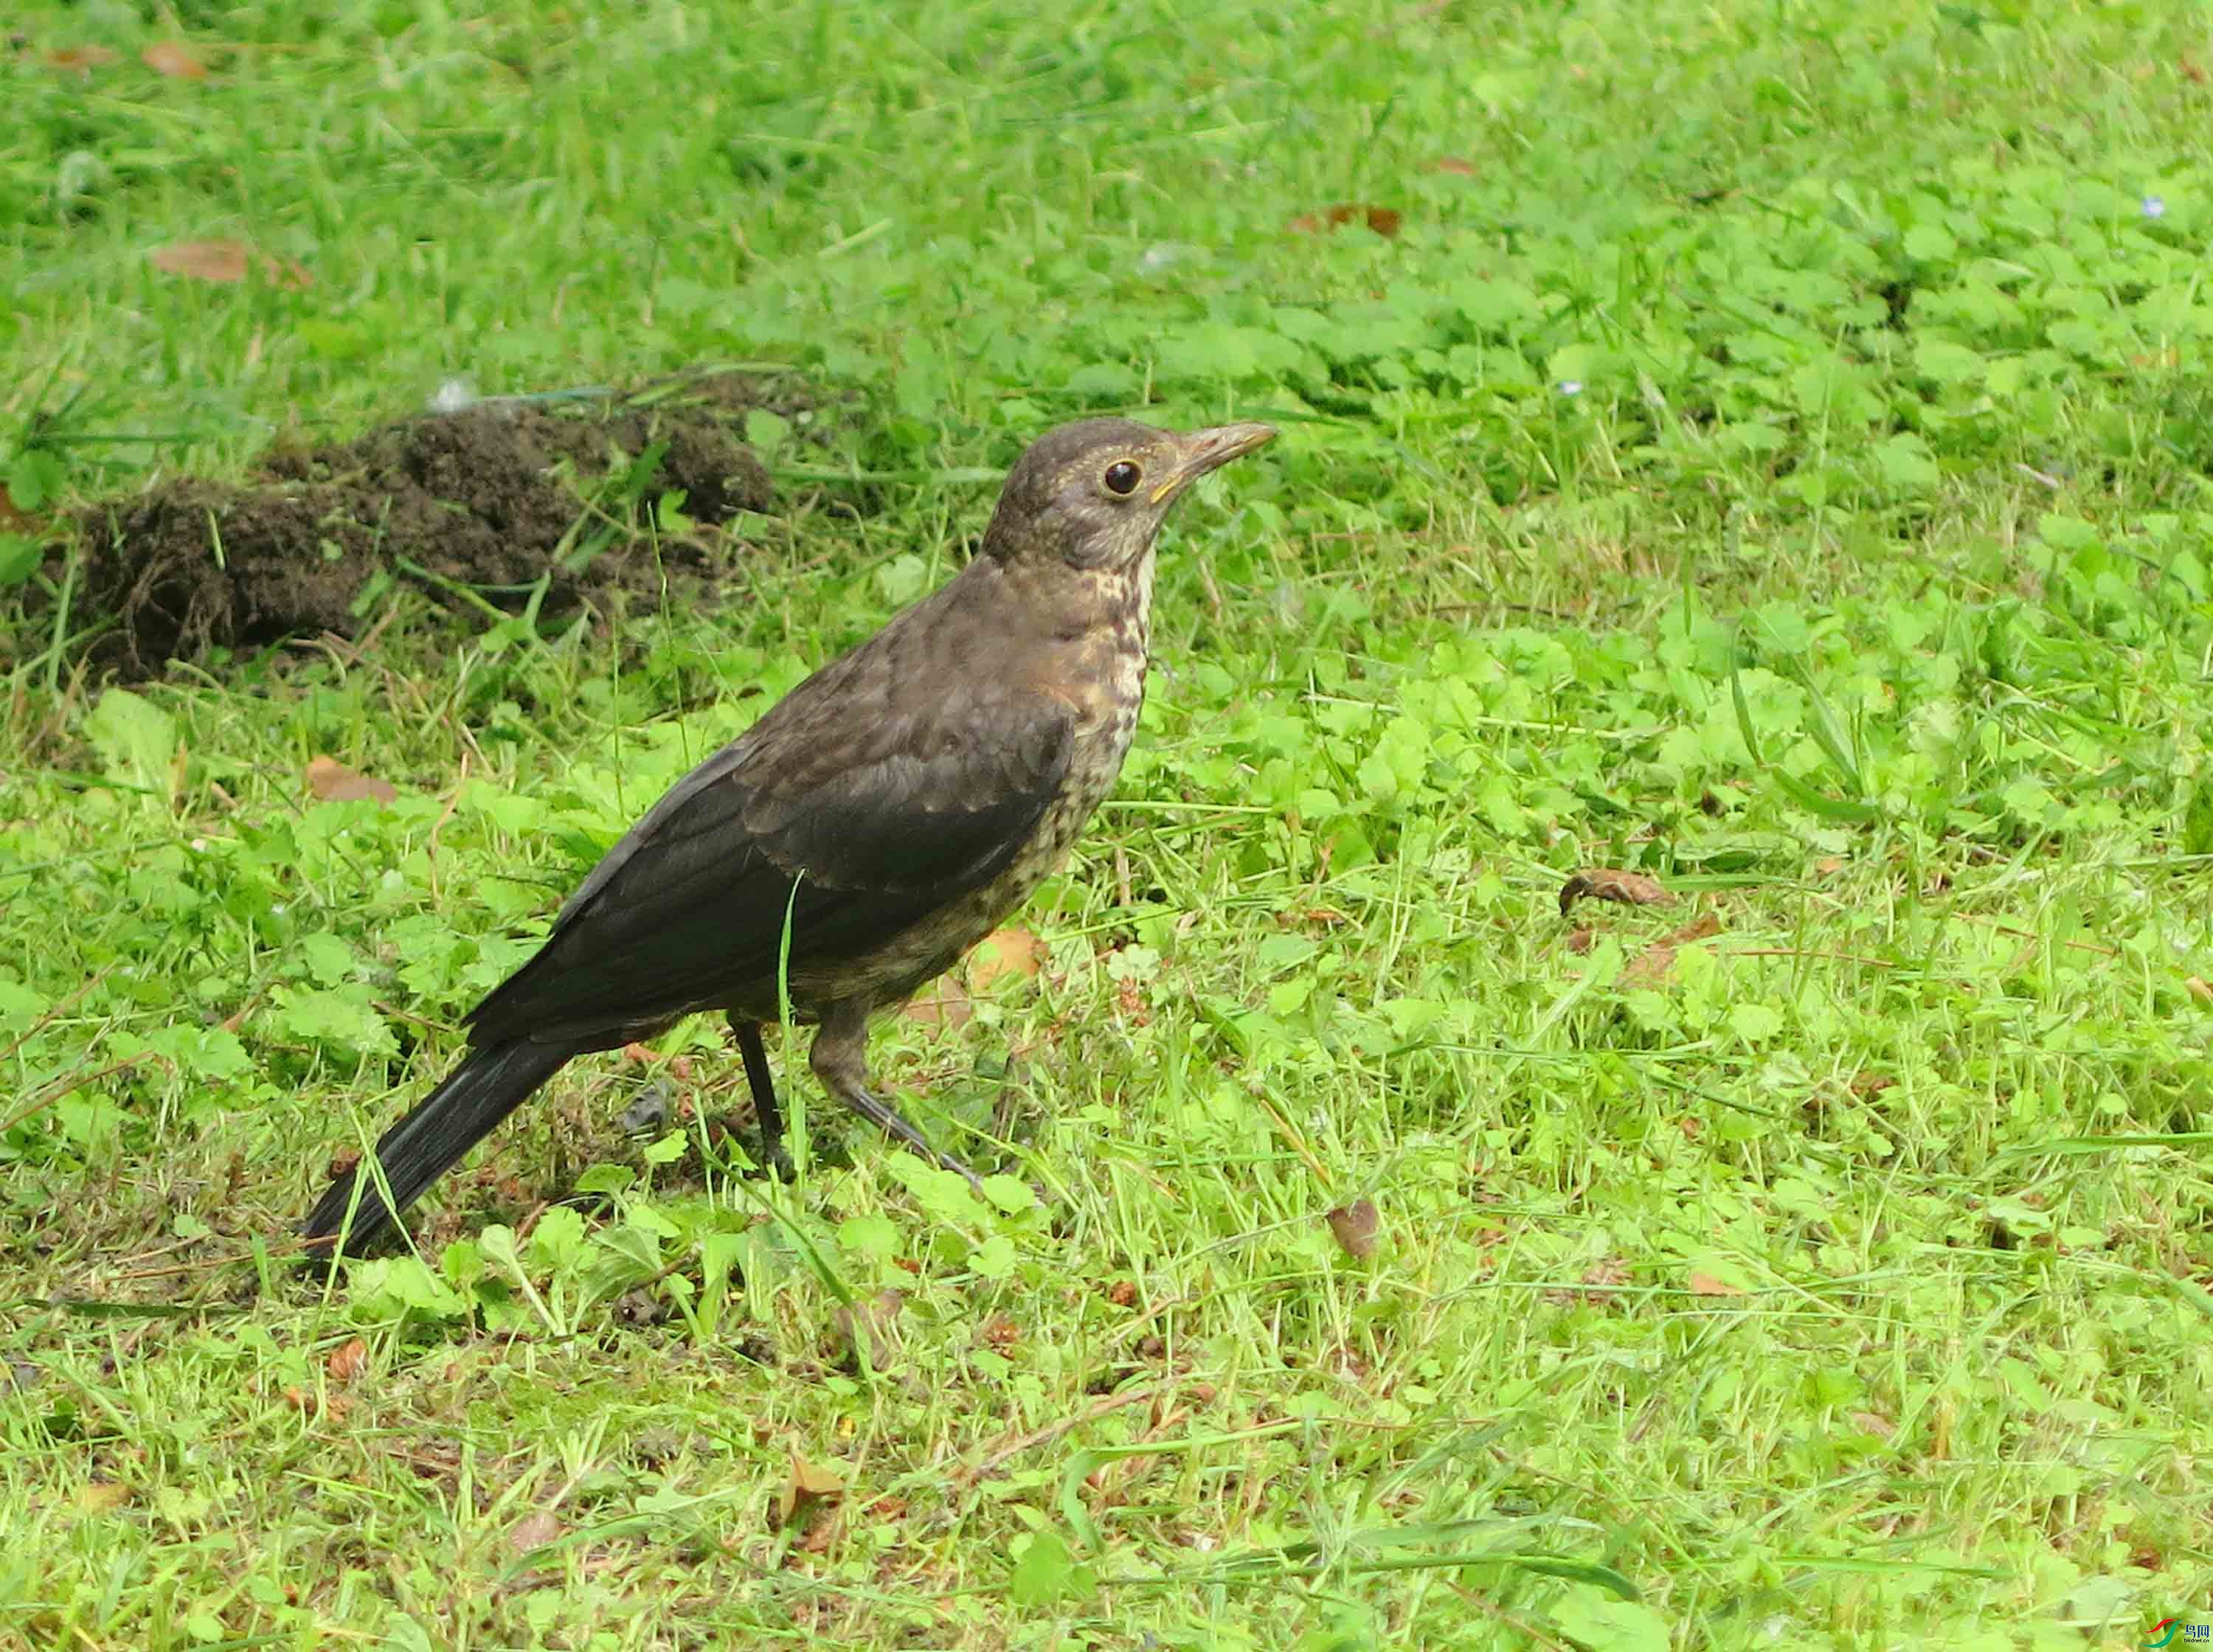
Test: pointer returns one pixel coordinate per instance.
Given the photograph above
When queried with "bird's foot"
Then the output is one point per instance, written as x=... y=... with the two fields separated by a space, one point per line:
x=765 y=1149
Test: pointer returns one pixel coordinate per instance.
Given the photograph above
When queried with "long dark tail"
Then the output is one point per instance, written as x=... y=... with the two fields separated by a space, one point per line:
x=425 y=1145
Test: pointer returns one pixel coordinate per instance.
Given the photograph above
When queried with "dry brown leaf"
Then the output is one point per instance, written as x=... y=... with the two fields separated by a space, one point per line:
x=1000 y=1334
x=1610 y=883
x=175 y=60
x=1657 y=961
x=346 y=1361
x=1356 y=1225
x=1459 y=166
x=102 y=1497
x=1005 y=954
x=80 y=59
x=1383 y=220
x=809 y=1483
x=1828 y=866
x=1123 y=1293
x=1596 y=1287
x=1579 y=941
x=14 y=519
x=203 y=260
x=943 y=1003
x=2200 y=989
x=877 y=1319
x=822 y=1530
x=534 y=1531
x=332 y=782
x=1706 y=1284
x=224 y=261
x=334 y=1407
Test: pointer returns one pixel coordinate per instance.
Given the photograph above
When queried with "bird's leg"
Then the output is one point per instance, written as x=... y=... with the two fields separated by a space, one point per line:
x=762 y=1083
x=840 y=1060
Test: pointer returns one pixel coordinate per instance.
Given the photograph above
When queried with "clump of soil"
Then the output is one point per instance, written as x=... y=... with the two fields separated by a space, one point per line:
x=490 y=497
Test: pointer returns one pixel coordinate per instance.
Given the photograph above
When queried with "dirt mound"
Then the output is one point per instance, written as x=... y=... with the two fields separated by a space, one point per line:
x=494 y=496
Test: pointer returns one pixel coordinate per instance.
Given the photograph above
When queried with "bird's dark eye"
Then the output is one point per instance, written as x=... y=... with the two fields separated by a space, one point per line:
x=1123 y=477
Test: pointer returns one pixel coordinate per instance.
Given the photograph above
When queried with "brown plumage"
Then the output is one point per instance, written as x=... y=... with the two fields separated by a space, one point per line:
x=895 y=807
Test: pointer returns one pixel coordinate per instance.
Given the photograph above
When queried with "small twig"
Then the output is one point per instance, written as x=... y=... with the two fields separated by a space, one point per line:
x=1501 y=1615
x=1101 y=1477
x=1107 y=1405
x=2018 y=933
x=46 y=1020
x=67 y=1084
x=1807 y=951
x=1297 y=1142
x=453 y=802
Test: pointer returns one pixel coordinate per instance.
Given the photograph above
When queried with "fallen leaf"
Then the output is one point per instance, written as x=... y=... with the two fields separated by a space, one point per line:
x=809 y=1483
x=1706 y=1284
x=14 y=519
x=877 y=1319
x=1459 y=166
x=1598 y=1283
x=1123 y=1293
x=345 y=1361
x=175 y=60
x=1828 y=866
x=1356 y=1225
x=1005 y=954
x=1875 y=1423
x=1383 y=220
x=1657 y=961
x=1867 y=1085
x=1609 y=883
x=332 y=782
x=203 y=260
x=534 y=1531
x=80 y=59
x=1579 y=941
x=2200 y=989
x=2192 y=71
x=224 y=261
x=943 y=1003
x=822 y=1530
x=335 y=1407
x=1130 y=999
x=101 y=1497
x=1000 y=1333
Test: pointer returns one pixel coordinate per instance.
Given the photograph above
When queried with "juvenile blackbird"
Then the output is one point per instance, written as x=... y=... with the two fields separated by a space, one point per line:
x=887 y=812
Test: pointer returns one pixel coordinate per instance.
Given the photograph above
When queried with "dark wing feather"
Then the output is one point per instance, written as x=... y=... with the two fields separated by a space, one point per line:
x=687 y=912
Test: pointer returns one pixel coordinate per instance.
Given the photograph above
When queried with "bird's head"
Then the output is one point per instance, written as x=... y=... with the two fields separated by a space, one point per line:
x=1092 y=495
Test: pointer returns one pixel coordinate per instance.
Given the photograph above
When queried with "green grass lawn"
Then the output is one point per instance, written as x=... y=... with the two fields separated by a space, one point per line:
x=1769 y=452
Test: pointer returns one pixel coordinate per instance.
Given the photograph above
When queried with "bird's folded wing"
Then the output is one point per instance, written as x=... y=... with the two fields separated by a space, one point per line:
x=688 y=911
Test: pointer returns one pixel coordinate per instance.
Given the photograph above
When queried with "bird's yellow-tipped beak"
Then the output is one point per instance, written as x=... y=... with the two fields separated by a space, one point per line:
x=1207 y=450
